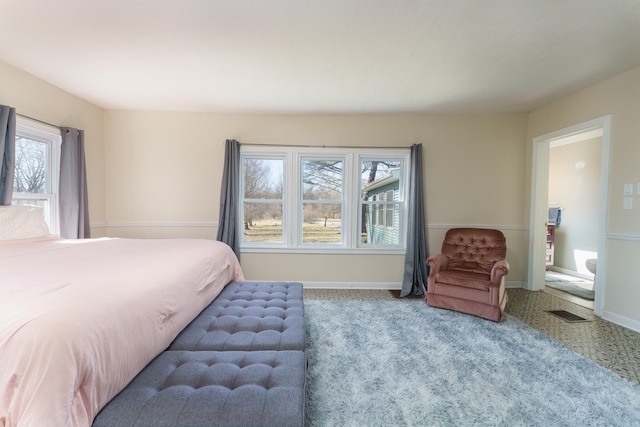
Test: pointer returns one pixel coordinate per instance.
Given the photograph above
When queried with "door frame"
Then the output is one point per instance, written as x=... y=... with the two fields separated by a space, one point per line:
x=539 y=204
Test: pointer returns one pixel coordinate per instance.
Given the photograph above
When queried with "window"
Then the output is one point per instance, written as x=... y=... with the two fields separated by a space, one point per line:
x=262 y=194
x=37 y=168
x=323 y=200
x=383 y=194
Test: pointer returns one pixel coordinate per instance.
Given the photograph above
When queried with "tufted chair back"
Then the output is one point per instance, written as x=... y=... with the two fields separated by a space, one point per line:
x=474 y=249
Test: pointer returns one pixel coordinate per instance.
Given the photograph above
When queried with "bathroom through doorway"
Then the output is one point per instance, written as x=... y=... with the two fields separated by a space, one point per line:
x=573 y=201
x=540 y=203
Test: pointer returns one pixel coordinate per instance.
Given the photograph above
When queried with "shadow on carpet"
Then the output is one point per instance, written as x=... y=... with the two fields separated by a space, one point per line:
x=403 y=363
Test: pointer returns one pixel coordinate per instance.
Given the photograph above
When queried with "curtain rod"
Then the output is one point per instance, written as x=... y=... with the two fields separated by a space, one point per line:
x=319 y=146
x=44 y=123
x=36 y=120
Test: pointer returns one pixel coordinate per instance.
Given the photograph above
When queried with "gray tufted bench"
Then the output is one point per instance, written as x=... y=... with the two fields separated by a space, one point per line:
x=249 y=316
x=240 y=362
x=213 y=388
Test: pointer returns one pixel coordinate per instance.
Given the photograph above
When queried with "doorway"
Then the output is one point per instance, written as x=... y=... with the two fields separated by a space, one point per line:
x=572 y=239
x=540 y=202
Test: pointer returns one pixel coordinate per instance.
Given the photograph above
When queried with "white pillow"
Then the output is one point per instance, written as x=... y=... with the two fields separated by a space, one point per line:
x=22 y=222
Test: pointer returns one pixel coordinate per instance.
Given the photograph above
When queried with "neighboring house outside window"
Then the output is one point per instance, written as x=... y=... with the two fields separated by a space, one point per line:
x=37 y=171
x=383 y=220
x=328 y=200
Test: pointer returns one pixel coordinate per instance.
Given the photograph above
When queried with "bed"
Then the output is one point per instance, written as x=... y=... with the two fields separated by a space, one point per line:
x=80 y=318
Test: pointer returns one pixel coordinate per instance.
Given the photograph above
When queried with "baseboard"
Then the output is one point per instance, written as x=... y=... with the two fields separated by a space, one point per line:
x=391 y=286
x=513 y=284
x=354 y=285
x=162 y=224
x=634 y=325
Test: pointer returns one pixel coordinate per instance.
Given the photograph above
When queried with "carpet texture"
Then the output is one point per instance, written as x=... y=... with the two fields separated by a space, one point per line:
x=403 y=363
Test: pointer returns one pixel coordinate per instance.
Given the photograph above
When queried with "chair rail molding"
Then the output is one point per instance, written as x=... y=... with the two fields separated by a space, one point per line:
x=164 y=224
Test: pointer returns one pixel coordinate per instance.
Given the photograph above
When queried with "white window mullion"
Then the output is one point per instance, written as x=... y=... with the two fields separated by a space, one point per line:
x=351 y=201
x=404 y=206
x=292 y=198
x=298 y=224
x=55 y=151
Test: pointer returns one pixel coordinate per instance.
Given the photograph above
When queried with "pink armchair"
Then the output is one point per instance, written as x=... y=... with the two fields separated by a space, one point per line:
x=468 y=276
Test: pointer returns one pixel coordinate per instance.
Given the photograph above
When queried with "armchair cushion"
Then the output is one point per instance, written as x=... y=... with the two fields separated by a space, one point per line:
x=468 y=279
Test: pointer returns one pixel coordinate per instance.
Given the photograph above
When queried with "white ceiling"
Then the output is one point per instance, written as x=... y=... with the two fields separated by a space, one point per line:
x=322 y=56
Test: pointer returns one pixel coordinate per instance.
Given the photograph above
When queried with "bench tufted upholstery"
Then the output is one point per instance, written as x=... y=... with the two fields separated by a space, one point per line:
x=206 y=388
x=249 y=316
x=241 y=362
x=468 y=275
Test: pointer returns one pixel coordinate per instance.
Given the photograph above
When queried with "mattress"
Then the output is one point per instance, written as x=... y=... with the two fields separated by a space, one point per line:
x=80 y=318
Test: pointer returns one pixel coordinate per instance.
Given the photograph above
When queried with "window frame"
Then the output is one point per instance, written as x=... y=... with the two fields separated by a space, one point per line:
x=50 y=135
x=301 y=200
x=382 y=205
x=352 y=205
x=243 y=200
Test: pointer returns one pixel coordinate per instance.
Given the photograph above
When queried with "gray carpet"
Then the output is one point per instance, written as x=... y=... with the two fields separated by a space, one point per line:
x=402 y=363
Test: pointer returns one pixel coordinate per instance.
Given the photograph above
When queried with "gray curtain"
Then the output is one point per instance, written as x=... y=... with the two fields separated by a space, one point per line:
x=415 y=262
x=227 y=230
x=7 y=153
x=74 y=205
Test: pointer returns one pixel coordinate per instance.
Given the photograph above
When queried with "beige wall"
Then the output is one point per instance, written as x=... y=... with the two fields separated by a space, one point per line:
x=574 y=186
x=164 y=170
x=619 y=97
x=37 y=99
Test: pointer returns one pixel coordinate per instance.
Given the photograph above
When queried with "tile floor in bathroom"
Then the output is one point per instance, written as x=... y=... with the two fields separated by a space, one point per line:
x=587 y=284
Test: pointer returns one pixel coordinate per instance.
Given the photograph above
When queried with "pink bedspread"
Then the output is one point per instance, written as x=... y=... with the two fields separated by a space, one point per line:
x=80 y=318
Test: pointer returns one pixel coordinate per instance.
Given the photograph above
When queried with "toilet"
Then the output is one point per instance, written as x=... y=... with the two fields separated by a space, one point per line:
x=591 y=266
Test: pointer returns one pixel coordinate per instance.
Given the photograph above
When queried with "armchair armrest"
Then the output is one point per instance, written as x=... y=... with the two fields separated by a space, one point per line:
x=499 y=269
x=437 y=263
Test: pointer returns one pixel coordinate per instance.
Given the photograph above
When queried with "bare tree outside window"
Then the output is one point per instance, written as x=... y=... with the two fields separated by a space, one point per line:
x=323 y=179
x=37 y=168
x=322 y=182
x=263 y=190
x=31 y=166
